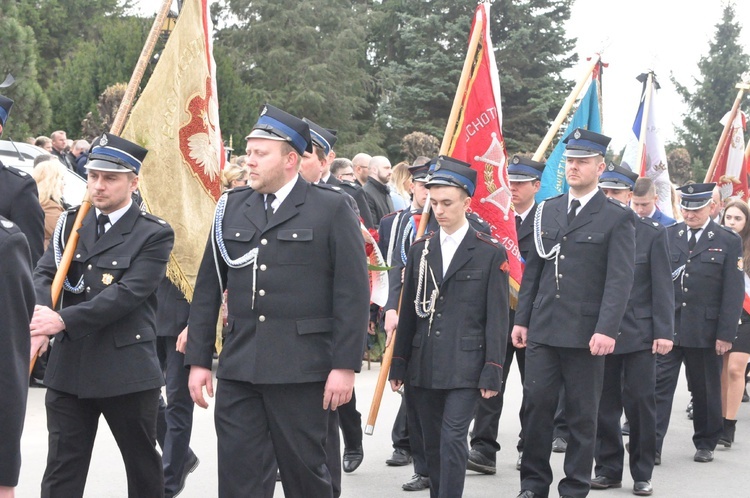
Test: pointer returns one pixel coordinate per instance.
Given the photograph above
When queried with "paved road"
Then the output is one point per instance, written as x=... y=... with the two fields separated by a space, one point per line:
x=678 y=476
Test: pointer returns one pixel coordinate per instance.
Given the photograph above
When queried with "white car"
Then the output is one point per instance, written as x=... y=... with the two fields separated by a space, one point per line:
x=21 y=155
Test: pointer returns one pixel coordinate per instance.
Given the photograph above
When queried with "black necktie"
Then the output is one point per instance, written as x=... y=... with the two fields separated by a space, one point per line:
x=574 y=205
x=518 y=223
x=101 y=220
x=693 y=237
x=269 y=210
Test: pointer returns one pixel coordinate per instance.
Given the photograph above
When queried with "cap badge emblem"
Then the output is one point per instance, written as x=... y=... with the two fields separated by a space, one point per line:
x=577 y=134
x=7 y=224
x=681 y=233
x=516 y=160
x=690 y=190
x=103 y=141
x=611 y=167
x=263 y=112
x=710 y=235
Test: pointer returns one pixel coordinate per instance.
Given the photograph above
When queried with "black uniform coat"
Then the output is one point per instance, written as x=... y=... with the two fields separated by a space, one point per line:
x=595 y=274
x=19 y=202
x=109 y=345
x=312 y=290
x=465 y=346
x=172 y=310
x=649 y=313
x=354 y=190
x=710 y=291
x=16 y=308
x=525 y=233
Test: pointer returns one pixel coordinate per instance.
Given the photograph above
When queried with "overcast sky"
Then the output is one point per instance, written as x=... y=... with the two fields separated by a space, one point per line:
x=668 y=36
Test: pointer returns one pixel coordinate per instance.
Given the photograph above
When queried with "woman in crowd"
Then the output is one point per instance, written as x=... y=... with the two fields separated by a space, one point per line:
x=736 y=216
x=233 y=176
x=50 y=181
x=44 y=142
x=401 y=186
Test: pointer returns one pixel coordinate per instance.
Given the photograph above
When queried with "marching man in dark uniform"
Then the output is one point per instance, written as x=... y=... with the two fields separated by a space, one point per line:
x=525 y=179
x=292 y=258
x=630 y=372
x=16 y=308
x=452 y=330
x=104 y=361
x=19 y=198
x=568 y=323
x=708 y=294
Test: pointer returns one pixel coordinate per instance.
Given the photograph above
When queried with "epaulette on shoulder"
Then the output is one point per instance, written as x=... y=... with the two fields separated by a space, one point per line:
x=424 y=237
x=330 y=188
x=18 y=172
x=389 y=215
x=477 y=218
x=489 y=239
x=617 y=203
x=153 y=218
x=234 y=190
x=351 y=184
x=8 y=226
x=729 y=230
x=655 y=225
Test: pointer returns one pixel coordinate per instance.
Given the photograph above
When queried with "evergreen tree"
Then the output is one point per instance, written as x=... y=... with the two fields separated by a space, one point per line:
x=714 y=92
x=308 y=58
x=31 y=110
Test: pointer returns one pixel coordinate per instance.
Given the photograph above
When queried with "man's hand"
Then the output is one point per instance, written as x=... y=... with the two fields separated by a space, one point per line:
x=338 y=390
x=396 y=384
x=182 y=341
x=200 y=377
x=45 y=321
x=661 y=346
x=518 y=336
x=487 y=394
x=39 y=344
x=391 y=322
x=722 y=347
x=601 y=344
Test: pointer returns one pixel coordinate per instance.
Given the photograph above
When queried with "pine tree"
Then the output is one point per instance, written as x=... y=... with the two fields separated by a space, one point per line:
x=714 y=94
x=31 y=110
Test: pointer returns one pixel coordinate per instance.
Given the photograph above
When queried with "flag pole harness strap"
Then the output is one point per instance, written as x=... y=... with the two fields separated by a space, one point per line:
x=426 y=307
x=249 y=258
x=553 y=253
x=56 y=238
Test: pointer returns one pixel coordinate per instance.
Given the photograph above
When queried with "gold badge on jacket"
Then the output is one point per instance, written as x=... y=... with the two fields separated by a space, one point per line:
x=107 y=279
x=740 y=264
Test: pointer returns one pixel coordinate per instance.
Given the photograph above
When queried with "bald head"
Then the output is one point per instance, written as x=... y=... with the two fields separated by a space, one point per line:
x=380 y=169
x=361 y=163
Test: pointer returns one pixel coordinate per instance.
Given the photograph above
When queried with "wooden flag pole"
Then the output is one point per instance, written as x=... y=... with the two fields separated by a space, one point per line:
x=644 y=123
x=743 y=86
x=117 y=126
x=567 y=106
x=385 y=364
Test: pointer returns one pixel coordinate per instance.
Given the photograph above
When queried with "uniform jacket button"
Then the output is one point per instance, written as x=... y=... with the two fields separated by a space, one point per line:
x=262 y=267
x=138 y=336
x=262 y=292
x=262 y=318
x=437 y=333
x=264 y=241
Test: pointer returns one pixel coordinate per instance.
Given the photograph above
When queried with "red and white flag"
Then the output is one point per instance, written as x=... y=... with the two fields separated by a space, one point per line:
x=731 y=167
x=177 y=119
x=478 y=140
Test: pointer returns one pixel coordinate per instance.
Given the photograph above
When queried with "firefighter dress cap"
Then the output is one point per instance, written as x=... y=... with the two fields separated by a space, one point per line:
x=618 y=176
x=585 y=143
x=275 y=124
x=112 y=153
x=454 y=173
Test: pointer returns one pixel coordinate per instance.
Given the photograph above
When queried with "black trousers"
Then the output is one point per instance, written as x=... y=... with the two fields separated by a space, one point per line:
x=407 y=432
x=292 y=414
x=629 y=383
x=72 y=423
x=445 y=415
x=703 y=368
x=547 y=369
x=175 y=422
x=350 y=421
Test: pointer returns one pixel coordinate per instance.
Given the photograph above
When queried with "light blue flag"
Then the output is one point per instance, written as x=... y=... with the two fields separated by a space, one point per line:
x=586 y=116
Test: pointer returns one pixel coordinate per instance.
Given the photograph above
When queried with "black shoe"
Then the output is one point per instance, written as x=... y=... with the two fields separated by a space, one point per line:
x=480 y=463
x=417 y=482
x=643 y=488
x=399 y=458
x=559 y=445
x=352 y=459
x=689 y=411
x=626 y=428
x=191 y=463
x=34 y=382
x=704 y=456
x=727 y=436
x=518 y=462
x=603 y=482
x=657 y=458
x=526 y=494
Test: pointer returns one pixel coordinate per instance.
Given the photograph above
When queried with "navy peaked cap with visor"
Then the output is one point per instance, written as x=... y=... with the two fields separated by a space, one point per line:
x=618 y=176
x=523 y=169
x=585 y=143
x=454 y=173
x=420 y=172
x=321 y=137
x=275 y=124
x=695 y=195
x=112 y=153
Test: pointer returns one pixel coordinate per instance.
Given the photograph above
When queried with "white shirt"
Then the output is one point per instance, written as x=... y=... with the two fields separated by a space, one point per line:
x=449 y=244
x=282 y=193
x=525 y=213
x=699 y=232
x=583 y=200
x=114 y=216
